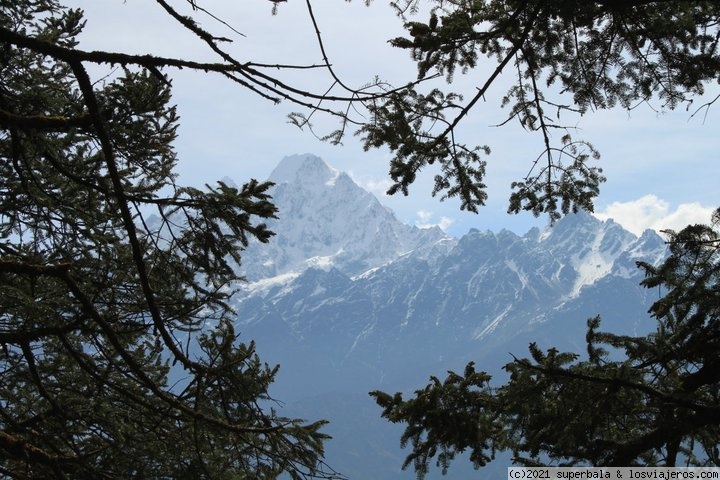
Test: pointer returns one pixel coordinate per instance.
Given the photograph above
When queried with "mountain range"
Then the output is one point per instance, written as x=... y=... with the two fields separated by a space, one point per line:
x=347 y=299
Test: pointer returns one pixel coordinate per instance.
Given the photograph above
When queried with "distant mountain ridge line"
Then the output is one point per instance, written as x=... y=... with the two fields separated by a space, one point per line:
x=326 y=217
x=336 y=247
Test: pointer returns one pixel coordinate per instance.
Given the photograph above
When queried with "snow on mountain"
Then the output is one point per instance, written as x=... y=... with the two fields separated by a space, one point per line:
x=594 y=249
x=327 y=221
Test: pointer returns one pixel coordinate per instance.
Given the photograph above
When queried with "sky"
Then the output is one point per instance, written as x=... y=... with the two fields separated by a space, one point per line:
x=663 y=168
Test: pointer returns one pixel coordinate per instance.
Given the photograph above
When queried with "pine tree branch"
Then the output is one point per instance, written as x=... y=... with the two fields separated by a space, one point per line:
x=13 y=266
x=516 y=47
x=119 y=192
x=152 y=62
x=42 y=122
x=35 y=375
x=620 y=382
x=627 y=452
x=137 y=370
x=19 y=448
x=86 y=365
x=321 y=45
x=17 y=337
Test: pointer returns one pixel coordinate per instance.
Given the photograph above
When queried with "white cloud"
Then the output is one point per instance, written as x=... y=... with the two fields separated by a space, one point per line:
x=425 y=217
x=377 y=187
x=652 y=212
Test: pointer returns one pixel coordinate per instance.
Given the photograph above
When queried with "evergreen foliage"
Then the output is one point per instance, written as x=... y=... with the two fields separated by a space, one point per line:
x=564 y=57
x=655 y=401
x=103 y=303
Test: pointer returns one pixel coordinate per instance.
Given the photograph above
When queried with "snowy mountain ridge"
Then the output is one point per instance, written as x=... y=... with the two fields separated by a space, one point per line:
x=347 y=299
x=343 y=264
x=327 y=221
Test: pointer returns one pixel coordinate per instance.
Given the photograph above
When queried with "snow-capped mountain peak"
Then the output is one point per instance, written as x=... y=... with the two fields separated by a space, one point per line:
x=325 y=219
x=306 y=168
